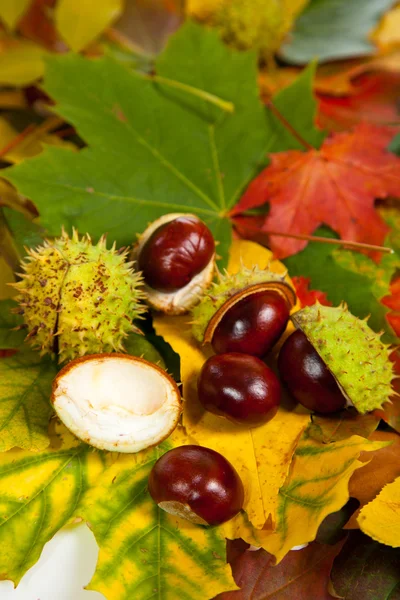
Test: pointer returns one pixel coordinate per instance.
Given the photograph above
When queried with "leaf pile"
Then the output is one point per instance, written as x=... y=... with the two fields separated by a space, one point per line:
x=185 y=133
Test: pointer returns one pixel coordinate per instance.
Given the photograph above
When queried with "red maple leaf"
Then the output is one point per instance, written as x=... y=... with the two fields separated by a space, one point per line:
x=306 y=296
x=392 y=301
x=336 y=186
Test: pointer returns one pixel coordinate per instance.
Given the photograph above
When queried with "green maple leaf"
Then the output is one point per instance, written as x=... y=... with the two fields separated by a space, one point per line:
x=158 y=145
x=25 y=409
x=348 y=276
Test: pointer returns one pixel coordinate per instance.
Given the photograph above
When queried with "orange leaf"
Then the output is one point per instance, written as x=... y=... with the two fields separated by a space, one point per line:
x=384 y=467
x=391 y=411
x=336 y=186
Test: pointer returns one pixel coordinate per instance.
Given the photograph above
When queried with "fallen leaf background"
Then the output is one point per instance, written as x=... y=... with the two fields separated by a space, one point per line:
x=142 y=117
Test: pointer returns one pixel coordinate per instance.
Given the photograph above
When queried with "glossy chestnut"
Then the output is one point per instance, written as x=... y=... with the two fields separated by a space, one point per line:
x=307 y=377
x=240 y=387
x=198 y=484
x=253 y=325
x=176 y=252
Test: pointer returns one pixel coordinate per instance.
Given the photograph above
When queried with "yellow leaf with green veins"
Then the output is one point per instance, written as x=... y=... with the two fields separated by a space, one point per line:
x=380 y=519
x=38 y=495
x=317 y=485
x=261 y=455
x=11 y=11
x=25 y=409
x=144 y=551
x=80 y=23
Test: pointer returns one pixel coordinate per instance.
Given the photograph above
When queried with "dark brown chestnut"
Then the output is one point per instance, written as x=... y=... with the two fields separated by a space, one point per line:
x=198 y=484
x=240 y=387
x=253 y=325
x=176 y=252
x=307 y=376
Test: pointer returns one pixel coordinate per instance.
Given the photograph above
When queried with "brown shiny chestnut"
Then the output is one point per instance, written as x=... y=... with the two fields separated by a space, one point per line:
x=307 y=377
x=240 y=387
x=175 y=253
x=198 y=484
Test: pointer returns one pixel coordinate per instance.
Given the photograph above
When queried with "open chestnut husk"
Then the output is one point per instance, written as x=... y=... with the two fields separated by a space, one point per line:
x=197 y=484
x=240 y=387
x=176 y=255
x=335 y=360
x=246 y=312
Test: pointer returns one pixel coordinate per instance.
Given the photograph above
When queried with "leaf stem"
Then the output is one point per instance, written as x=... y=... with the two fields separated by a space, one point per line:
x=347 y=243
x=224 y=105
x=288 y=126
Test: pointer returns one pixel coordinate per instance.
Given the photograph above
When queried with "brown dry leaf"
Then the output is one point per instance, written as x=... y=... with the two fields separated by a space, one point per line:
x=261 y=455
x=340 y=426
x=382 y=468
x=380 y=519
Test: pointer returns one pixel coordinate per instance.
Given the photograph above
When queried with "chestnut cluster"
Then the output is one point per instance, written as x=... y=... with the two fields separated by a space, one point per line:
x=192 y=481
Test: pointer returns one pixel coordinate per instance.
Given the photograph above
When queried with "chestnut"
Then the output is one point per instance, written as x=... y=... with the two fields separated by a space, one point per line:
x=307 y=377
x=240 y=387
x=252 y=325
x=198 y=484
x=175 y=252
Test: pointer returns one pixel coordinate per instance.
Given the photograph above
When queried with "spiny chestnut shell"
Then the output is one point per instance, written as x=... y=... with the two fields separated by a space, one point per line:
x=240 y=387
x=229 y=290
x=77 y=298
x=307 y=376
x=253 y=325
x=116 y=402
x=198 y=484
x=353 y=353
x=177 y=254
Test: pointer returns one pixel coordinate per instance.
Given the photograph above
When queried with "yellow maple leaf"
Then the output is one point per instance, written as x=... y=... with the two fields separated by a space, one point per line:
x=261 y=455
x=380 y=519
x=317 y=485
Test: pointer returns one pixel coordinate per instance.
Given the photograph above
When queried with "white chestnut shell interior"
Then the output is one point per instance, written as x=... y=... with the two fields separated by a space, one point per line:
x=180 y=301
x=116 y=402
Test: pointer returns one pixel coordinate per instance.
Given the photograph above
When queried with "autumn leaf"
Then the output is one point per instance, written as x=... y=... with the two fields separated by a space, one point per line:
x=366 y=483
x=386 y=36
x=11 y=11
x=391 y=410
x=145 y=551
x=9 y=338
x=373 y=100
x=366 y=570
x=216 y=103
x=349 y=276
x=380 y=519
x=301 y=574
x=37 y=25
x=317 y=485
x=335 y=186
x=79 y=23
x=261 y=455
x=39 y=493
x=25 y=409
x=340 y=426
x=392 y=301
x=306 y=296
x=21 y=61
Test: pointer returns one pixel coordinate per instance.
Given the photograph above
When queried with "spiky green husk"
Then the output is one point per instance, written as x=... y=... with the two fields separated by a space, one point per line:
x=77 y=298
x=223 y=289
x=352 y=351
